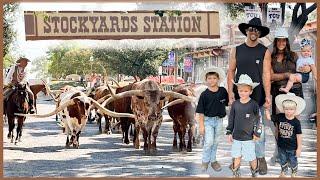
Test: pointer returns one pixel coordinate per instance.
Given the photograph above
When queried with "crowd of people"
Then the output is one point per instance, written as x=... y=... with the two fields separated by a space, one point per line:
x=264 y=89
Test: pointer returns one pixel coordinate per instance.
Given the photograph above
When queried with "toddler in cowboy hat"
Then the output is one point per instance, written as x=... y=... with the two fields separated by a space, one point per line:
x=244 y=126
x=304 y=59
x=211 y=109
x=289 y=131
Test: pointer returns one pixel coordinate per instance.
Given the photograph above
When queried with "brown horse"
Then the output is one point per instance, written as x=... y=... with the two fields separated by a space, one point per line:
x=36 y=89
x=16 y=103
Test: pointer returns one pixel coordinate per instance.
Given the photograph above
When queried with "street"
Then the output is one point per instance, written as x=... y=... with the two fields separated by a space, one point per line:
x=42 y=153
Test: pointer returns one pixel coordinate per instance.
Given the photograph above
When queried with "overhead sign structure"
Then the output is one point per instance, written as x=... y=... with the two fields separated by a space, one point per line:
x=119 y=25
x=274 y=15
x=252 y=13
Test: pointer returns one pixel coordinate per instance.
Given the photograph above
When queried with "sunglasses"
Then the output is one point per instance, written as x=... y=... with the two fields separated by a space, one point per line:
x=252 y=29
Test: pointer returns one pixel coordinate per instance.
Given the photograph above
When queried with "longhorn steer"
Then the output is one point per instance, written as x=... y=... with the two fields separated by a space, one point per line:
x=183 y=119
x=147 y=99
x=75 y=106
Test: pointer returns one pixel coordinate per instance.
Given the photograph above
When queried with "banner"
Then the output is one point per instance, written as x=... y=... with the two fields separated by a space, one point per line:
x=171 y=59
x=274 y=15
x=119 y=25
x=187 y=64
x=252 y=13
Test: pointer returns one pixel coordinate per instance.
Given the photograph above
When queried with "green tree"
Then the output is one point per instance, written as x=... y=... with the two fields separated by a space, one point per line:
x=40 y=65
x=9 y=34
x=132 y=62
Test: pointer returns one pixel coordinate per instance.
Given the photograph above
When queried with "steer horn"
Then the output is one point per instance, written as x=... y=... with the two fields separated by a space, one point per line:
x=110 y=113
x=60 y=108
x=177 y=101
x=179 y=96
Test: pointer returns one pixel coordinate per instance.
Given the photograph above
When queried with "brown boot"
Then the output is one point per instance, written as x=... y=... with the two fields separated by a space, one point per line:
x=204 y=167
x=263 y=168
x=216 y=166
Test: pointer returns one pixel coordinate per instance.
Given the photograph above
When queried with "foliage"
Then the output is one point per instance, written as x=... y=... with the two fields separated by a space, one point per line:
x=132 y=62
x=9 y=34
x=41 y=67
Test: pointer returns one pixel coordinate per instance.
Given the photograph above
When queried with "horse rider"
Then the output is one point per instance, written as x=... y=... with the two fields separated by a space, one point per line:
x=17 y=75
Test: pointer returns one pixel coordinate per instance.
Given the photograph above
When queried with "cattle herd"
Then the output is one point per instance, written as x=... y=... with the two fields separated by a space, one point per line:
x=137 y=106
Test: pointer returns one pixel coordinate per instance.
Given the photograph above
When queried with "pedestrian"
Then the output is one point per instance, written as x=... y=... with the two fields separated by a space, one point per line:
x=244 y=126
x=304 y=59
x=254 y=59
x=211 y=110
x=289 y=132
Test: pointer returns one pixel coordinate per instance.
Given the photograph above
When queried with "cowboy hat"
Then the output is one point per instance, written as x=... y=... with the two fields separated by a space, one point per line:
x=301 y=104
x=244 y=79
x=281 y=33
x=221 y=73
x=256 y=23
x=22 y=58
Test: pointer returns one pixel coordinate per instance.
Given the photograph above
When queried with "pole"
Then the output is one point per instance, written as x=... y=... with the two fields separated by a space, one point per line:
x=175 y=66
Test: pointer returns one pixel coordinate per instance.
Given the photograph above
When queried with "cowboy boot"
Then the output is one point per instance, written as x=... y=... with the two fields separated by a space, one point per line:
x=263 y=168
x=294 y=171
x=254 y=171
x=284 y=170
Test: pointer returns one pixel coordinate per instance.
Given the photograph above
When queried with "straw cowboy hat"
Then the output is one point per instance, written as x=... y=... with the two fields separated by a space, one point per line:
x=281 y=33
x=21 y=59
x=256 y=23
x=218 y=70
x=244 y=79
x=301 y=104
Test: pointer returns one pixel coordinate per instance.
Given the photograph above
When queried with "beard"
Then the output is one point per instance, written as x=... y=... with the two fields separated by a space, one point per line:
x=253 y=37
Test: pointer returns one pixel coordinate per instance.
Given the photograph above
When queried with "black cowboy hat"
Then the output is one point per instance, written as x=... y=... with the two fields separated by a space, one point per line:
x=256 y=23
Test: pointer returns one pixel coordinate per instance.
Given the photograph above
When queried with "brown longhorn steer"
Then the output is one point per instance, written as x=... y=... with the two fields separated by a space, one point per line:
x=183 y=119
x=147 y=99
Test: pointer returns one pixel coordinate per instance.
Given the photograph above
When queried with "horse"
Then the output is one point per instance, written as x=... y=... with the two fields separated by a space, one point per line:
x=16 y=103
x=36 y=89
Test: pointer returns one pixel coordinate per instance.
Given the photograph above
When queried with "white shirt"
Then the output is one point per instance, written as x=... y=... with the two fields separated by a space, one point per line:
x=21 y=75
x=304 y=61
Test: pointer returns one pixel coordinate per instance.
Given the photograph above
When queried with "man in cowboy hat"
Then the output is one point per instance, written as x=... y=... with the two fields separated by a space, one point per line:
x=289 y=137
x=254 y=59
x=17 y=75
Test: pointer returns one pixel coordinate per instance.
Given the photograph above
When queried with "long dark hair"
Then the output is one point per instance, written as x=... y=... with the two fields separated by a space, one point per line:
x=288 y=54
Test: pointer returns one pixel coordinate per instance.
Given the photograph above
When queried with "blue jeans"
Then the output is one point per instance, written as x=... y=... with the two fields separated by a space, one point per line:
x=213 y=128
x=288 y=156
x=260 y=144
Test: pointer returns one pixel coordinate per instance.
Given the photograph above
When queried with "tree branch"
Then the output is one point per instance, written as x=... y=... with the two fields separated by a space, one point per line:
x=283 y=8
x=311 y=8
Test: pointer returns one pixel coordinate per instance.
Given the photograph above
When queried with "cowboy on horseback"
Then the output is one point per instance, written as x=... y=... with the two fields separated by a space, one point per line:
x=17 y=75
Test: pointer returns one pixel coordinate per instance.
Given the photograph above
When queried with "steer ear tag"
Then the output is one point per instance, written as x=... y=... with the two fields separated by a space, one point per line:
x=247 y=115
x=257 y=61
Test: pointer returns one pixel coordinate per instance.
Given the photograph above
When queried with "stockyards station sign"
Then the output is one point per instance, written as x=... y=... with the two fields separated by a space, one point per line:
x=119 y=25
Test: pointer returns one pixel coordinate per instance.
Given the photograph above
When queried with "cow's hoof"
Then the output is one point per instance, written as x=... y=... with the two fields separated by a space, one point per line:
x=8 y=136
x=126 y=141
x=16 y=142
x=108 y=132
x=189 y=150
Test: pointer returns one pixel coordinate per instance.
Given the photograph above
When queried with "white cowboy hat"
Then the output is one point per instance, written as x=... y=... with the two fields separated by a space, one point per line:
x=245 y=79
x=218 y=70
x=281 y=33
x=301 y=104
